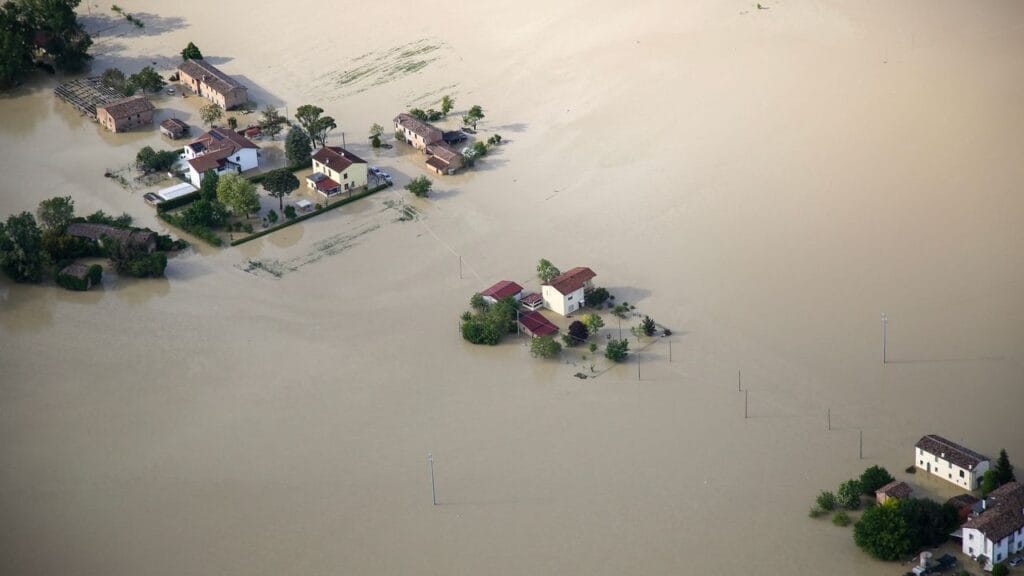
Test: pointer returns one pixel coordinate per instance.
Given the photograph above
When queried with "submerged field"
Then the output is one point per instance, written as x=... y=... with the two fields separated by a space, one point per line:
x=764 y=182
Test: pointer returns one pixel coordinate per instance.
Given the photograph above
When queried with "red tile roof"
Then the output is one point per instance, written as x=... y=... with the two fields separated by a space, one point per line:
x=127 y=106
x=336 y=158
x=532 y=298
x=326 y=185
x=218 y=137
x=502 y=289
x=215 y=159
x=425 y=130
x=535 y=323
x=896 y=489
x=572 y=280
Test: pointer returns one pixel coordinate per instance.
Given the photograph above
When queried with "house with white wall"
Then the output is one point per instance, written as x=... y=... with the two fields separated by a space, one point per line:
x=950 y=461
x=998 y=531
x=564 y=293
x=222 y=150
x=416 y=132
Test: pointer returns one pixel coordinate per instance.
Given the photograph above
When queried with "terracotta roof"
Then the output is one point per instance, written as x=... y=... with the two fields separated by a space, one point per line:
x=572 y=280
x=444 y=152
x=502 y=289
x=218 y=137
x=326 y=185
x=1004 y=513
x=214 y=159
x=127 y=107
x=435 y=162
x=532 y=299
x=336 y=158
x=174 y=125
x=535 y=323
x=208 y=73
x=963 y=500
x=951 y=451
x=895 y=489
x=427 y=131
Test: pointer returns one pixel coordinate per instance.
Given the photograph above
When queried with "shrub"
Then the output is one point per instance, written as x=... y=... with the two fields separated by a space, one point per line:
x=545 y=347
x=815 y=512
x=1000 y=569
x=375 y=141
x=420 y=186
x=620 y=310
x=578 y=333
x=592 y=347
x=597 y=297
x=69 y=282
x=848 y=495
x=617 y=350
x=647 y=326
x=247 y=228
x=874 y=478
x=272 y=216
x=826 y=501
x=841 y=519
x=289 y=212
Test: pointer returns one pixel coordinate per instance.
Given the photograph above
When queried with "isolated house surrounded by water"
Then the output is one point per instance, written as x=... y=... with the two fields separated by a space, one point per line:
x=564 y=294
x=173 y=128
x=416 y=132
x=950 y=461
x=998 y=531
x=336 y=170
x=125 y=114
x=443 y=159
x=207 y=81
x=222 y=150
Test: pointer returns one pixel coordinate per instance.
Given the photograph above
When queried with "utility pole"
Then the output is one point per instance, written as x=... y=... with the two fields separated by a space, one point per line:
x=746 y=396
x=433 y=489
x=861 y=444
x=739 y=380
x=670 y=350
x=829 y=418
x=638 y=365
x=460 y=267
x=885 y=327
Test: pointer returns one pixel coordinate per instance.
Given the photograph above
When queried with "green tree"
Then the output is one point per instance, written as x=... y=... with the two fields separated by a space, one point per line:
x=280 y=183
x=205 y=213
x=314 y=124
x=376 y=130
x=928 y=522
x=874 y=478
x=546 y=270
x=578 y=333
x=191 y=52
x=494 y=140
x=1000 y=569
x=148 y=79
x=15 y=45
x=545 y=347
x=826 y=501
x=272 y=122
x=597 y=297
x=841 y=519
x=115 y=80
x=479 y=149
x=22 y=256
x=989 y=482
x=238 y=194
x=617 y=350
x=474 y=115
x=208 y=186
x=447 y=103
x=211 y=113
x=883 y=532
x=1003 y=469
x=593 y=322
x=56 y=213
x=297 y=147
x=848 y=495
x=648 y=327
x=478 y=303
x=420 y=186
x=418 y=114
x=63 y=38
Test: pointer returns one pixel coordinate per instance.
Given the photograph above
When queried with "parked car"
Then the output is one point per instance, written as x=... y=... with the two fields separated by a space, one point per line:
x=385 y=176
x=375 y=171
x=1016 y=561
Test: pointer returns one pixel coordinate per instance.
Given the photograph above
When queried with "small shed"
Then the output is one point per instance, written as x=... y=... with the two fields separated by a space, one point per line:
x=174 y=128
x=893 y=490
x=535 y=324
x=176 y=191
x=502 y=289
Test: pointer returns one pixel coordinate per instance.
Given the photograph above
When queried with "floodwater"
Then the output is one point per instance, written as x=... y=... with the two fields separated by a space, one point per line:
x=764 y=182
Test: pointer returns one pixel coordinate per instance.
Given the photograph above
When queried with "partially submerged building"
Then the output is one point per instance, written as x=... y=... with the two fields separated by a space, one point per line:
x=443 y=159
x=950 y=461
x=208 y=81
x=998 y=531
x=536 y=325
x=145 y=239
x=336 y=170
x=895 y=490
x=222 y=150
x=174 y=128
x=416 y=132
x=501 y=290
x=127 y=113
x=564 y=294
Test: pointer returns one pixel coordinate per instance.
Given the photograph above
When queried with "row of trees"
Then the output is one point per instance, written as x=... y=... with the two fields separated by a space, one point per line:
x=47 y=31
x=489 y=323
x=147 y=80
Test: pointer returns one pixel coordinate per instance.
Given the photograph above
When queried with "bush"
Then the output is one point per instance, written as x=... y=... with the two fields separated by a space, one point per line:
x=578 y=333
x=815 y=512
x=826 y=501
x=545 y=347
x=69 y=282
x=289 y=212
x=375 y=141
x=202 y=232
x=152 y=265
x=420 y=186
x=247 y=228
x=874 y=478
x=596 y=297
x=489 y=325
x=849 y=494
x=841 y=519
x=617 y=350
x=272 y=216
x=1000 y=569
x=647 y=326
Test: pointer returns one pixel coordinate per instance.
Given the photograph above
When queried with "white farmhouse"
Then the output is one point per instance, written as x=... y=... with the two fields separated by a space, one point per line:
x=564 y=293
x=998 y=531
x=222 y=150
x=950 y=461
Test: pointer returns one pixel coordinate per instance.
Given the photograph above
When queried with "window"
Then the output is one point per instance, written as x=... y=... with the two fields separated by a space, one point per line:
x=569 y=298
x=961 y=473
x=344 y=176
x=971 y=536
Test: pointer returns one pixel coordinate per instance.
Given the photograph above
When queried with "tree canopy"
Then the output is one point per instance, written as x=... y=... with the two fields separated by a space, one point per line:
x=883 y=532
x=50 y=25
x=147 y=79
x=489 y=325
x=1003 y=468
x=56 y=213
x=272 y=122
x=874 y=478
x=593 y=323
x=238 y=194
x=191 y=52
x=617 y=350
x=297 y=147
x=474 y=115
x=546 y=270
x=280 y=183
x=447 y=103
x=22 y=256
x=420 y=186
x=545 y=347
x=314 y=123
x=211 y=113
x=578 y=333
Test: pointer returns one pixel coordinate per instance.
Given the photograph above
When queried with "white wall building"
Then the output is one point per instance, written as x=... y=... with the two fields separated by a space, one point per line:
x=998 y=531
x=565 y=293
x=950 y=461
x=222 y=150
